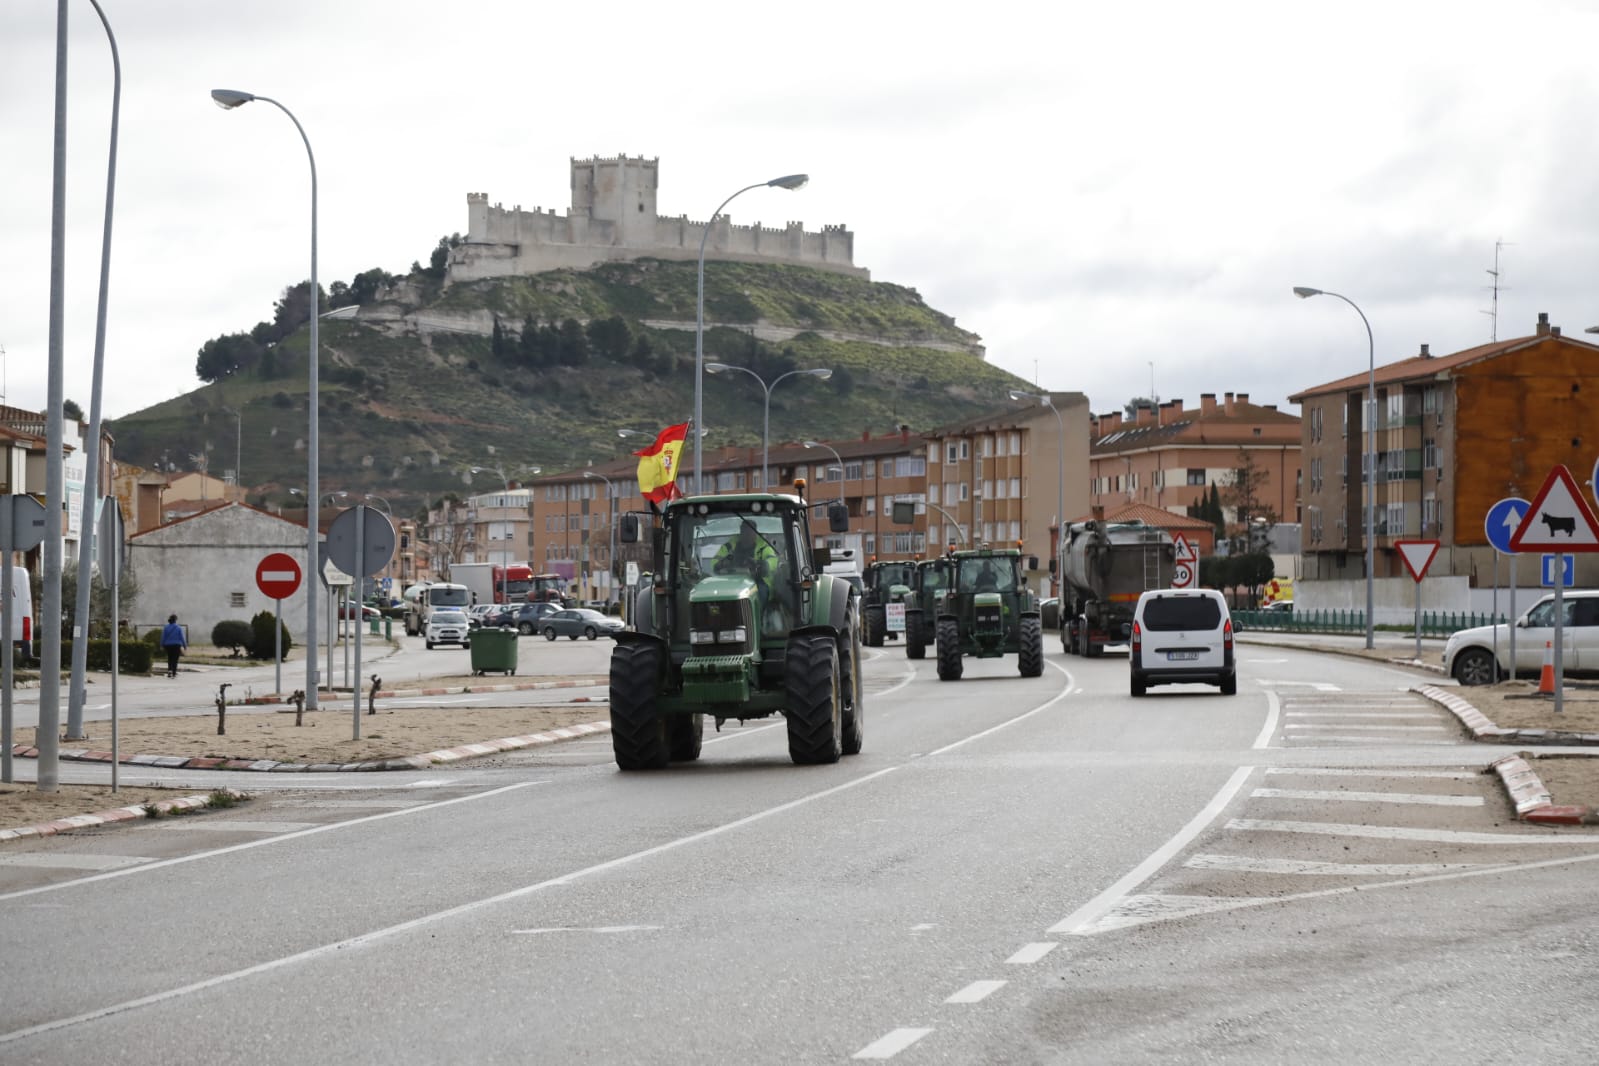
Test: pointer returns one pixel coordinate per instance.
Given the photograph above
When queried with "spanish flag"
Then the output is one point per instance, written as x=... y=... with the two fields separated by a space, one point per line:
x=657 y=464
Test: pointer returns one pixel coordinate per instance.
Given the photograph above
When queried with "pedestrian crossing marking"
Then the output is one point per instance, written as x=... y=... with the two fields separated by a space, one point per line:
x=1337 y=795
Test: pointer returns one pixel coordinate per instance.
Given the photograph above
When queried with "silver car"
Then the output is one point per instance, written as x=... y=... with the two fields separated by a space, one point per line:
x=447 y=625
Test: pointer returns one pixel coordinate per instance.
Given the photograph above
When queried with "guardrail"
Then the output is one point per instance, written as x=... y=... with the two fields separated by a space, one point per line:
x=1433 y=623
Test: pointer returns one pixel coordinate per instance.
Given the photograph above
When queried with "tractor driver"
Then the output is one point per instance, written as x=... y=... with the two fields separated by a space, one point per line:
x=749 y=553
x=986 y=581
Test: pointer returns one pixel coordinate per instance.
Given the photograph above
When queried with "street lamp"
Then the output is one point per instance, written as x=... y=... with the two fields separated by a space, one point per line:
x=1304 y=292
x=386 y=508
x=766 y=418
x=787 y=181
x=1046 y=400
x=610 y=516
x=227 y=99
x=238 y=450
x=840 y=458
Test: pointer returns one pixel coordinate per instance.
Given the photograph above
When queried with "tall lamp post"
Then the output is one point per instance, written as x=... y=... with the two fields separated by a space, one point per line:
x=229 y=99
x=787 y=181
x=238 y=450
x=766 y=418
x=610 y=520
x=1304 y=292
x=1048 y=401
x=840 y=458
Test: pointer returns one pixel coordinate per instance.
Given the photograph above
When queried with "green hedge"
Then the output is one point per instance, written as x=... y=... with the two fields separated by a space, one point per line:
x=135 y=656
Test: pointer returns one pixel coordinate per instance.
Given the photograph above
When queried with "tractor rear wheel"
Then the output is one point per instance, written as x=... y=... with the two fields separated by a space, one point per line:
x=876 y=626
x=1031 y=653
x=915 y=642
x=638 y=733
x=949 y=650
x=815 y=701
x=854 y=715
x=685 y=733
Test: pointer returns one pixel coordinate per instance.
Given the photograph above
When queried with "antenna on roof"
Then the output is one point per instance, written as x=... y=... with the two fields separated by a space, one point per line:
x=1493 y=313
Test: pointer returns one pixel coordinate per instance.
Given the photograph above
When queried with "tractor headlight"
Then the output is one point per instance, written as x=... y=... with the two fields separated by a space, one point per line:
x=732 y=636
x=701 y=636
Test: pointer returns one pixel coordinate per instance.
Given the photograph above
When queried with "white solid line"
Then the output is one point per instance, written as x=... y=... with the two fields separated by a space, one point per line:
x=1245 y=864
x=1362 y=714
x=1267 y=731
x=1336 y=795
x=976 y=992
x=1328 y=771
x=1374 y=740
x=1031 y=953
x=1107 y=899
x=887 y=1047
x=1372 y=725
x=1386 y=832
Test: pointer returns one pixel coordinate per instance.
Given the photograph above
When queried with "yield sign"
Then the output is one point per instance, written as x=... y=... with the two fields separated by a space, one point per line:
x=1558 y=520
x=1417 y=555
x=278 y=576
x=1185 y=550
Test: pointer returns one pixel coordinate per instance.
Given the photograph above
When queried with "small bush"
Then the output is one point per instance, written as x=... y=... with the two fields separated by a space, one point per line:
x=261 y=643
x=134 y=656
x=152 y=637
x=233 y=634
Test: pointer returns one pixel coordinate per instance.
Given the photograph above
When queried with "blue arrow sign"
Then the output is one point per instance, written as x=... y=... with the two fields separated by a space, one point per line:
x=1566 y=565
x=1504 y=518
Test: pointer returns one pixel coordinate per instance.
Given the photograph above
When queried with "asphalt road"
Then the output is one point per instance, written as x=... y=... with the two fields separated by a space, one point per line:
x=1014 y=870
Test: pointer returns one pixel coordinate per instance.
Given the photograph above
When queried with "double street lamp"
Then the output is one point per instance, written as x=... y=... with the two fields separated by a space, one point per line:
x=1304 y=292
x=766 y=417
x=229 y=99
x=787 y=181
x=610 y=521
x=840 y=458
x=1048 y=401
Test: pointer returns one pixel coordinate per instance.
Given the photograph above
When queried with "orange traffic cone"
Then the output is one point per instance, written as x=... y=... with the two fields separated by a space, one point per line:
x=1546 y=679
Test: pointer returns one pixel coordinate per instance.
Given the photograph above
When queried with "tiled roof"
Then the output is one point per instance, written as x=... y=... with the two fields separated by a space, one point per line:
x=1196 y=427
x=1158 y=517
x=1421 y=367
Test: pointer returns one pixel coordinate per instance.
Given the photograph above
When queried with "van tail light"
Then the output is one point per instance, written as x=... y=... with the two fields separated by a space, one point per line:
x=1227 y=636
x=1138 y=639
x=27 y=630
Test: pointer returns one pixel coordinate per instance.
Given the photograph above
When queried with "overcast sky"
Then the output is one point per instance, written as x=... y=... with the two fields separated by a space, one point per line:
x=1109 y=194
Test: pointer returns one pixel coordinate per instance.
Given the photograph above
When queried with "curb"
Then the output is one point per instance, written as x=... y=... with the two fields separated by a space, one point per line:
x=1483 y=729
x=390 y=693
x=137 y=812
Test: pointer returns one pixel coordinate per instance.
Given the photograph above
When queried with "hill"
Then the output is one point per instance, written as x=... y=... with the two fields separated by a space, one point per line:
x=424 y=381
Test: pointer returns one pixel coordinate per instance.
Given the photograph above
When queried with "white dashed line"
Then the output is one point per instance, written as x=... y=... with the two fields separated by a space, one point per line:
x=1372 y=725
x=1031 y=953
x=976 y=992
x=1383 y=832
x=888 y=1046
x=1362 y=714
x=1336 y=795
x=1328 y=771
x=1245 y=864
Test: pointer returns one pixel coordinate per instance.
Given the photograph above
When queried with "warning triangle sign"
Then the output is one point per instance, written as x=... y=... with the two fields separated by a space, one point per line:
x=1417 y=555
x=1184 y=548
x=1559 y=519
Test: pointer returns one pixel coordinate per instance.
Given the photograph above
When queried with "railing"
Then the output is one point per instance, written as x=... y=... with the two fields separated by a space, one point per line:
x=1433 y=623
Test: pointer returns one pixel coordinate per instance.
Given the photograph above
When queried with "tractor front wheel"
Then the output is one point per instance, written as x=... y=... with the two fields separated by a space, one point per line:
x=638 y=733
x=876 y=626
x=915 y=643
x=814 y=700
x=949 y=649
x=1031 y=653
x=854 y=716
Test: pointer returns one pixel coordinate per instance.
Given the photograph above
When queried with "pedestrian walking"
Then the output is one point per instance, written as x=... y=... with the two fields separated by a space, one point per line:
x=173 y=640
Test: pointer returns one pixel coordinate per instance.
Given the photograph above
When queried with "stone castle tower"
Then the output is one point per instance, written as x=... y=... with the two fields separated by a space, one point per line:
x=613 y=217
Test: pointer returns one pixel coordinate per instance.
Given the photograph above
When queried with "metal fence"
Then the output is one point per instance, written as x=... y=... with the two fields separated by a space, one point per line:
x=1433 y=623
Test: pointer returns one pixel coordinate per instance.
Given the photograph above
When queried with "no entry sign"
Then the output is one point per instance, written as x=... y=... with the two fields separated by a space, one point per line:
x=278 y=576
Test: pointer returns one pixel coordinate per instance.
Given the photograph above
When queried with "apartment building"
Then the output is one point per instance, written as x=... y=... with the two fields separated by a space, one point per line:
x=1454 y=434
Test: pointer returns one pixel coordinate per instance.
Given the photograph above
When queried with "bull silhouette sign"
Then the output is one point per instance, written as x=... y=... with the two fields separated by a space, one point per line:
x=1559 y=519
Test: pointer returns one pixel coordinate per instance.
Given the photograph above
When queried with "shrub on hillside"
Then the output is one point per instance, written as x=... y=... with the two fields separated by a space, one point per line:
x=233 y=634
x=261 y=642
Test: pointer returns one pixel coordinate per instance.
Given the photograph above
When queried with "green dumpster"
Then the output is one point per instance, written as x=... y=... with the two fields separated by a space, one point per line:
x=494 y=650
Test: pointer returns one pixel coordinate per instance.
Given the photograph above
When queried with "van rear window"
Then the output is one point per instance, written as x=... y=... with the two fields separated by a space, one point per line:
x=1168 y=613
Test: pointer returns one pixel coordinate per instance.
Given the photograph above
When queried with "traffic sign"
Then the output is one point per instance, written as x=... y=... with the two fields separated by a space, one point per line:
x=1559 y=519
x=375 y=535
x=1417 y=555
x=27 y=523
x=1182 y=575
x=1567 y=567
x=1185 y=550
x=1504 y=518
x=332 y=576
x=278 y=576
x=111 y=546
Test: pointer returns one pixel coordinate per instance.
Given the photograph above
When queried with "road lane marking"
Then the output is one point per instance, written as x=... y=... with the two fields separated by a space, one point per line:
x=1313 y=727
x=976 y=992
x=1319 y=686
x=1329 y=771
x=49 y=860
x=887 y=1047
x=1246 y=864
x=1269 y=730
x=1336 y=795
x=1089 y=912
x=1390 y=832
x=1374 y=740
x=1031 y=953
x=588 y=929
x=1396 y=715
x=236 y=826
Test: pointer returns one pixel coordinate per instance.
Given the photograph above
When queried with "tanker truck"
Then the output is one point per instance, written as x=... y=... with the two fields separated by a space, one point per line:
x=1105 y=567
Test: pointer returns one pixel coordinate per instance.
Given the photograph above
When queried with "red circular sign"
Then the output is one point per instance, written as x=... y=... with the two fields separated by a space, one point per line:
x=278 y=576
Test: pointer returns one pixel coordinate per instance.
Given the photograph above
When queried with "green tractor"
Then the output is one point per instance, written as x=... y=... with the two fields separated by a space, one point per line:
x=740 y=622
x=932 y=578
x=989 y=612
x=886 y=583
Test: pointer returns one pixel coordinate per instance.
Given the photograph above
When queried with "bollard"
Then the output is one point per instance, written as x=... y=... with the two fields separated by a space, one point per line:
x=372 y=697
x=222 y=709
x=298 y=699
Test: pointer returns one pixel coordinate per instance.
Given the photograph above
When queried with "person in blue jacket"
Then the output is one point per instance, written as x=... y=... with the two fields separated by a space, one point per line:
x=173 y=640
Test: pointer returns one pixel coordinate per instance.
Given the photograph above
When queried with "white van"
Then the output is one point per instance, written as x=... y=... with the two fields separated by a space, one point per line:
x=1181 y=636
x=21 y=612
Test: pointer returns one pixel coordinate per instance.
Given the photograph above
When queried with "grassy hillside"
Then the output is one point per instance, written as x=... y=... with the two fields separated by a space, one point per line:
x=404 y=412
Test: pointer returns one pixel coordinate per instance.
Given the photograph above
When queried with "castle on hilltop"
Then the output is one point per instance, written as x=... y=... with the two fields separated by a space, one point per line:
x=613 y=217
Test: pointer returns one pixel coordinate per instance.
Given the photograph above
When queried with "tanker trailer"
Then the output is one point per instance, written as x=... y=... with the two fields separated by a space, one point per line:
x=1105 y=568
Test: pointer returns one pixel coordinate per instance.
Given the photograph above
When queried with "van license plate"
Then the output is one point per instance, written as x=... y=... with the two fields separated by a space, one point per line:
x=1181 y=656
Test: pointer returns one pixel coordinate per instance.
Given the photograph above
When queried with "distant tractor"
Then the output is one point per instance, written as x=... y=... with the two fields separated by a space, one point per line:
x=931 y=579
x=989 y=612
x=887 y=583
x=740 y=622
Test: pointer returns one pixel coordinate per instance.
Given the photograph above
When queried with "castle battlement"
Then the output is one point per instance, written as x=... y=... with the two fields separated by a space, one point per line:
x=613 y=217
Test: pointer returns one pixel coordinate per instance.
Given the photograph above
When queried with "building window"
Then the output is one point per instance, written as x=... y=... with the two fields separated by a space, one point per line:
x=871 y=505
x=1015 y=442
x=1196 y=476
x=932 y=492
x=236 y=599
x=1429 y=453
x=870 y=469
x=952 y=452
x=1016 y=488
x=910 y=466
x=852 y=470
x=965 y=492
x=966 y=449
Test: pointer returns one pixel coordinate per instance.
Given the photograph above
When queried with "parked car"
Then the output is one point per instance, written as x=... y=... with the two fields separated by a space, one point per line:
x=350 y=610
x=525 y=618
x=1181 y=636
x=579 y=622
x=1469 y=654
x=1280 y=606
x=447 y=625
x=479 y=612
